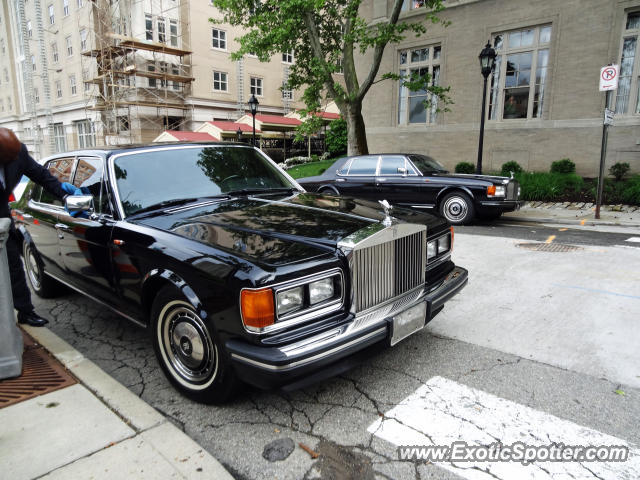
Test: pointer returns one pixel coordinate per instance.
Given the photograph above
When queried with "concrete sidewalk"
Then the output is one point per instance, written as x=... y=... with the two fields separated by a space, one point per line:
x=576 y=214
x=95 y=429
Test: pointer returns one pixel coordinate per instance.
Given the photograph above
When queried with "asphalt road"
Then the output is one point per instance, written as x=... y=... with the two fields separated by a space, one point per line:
x=543 y=342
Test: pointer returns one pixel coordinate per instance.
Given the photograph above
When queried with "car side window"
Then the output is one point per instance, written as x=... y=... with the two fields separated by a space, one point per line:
x=61 y=169
x=88 y=178
x=395 y=165
x=364 y=165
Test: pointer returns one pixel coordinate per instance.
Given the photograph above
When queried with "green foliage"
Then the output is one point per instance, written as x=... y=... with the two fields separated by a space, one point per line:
x=631 y=192
x=509 y=167
x=563 y=166
x=619 y=170
x=336 y=139
x=465 y=167
x=326 y=36
x=548 y=186
x=310 y=169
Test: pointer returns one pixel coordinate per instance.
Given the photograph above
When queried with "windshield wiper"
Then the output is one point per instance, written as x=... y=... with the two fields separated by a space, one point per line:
x=165 y=203
x=249 y=191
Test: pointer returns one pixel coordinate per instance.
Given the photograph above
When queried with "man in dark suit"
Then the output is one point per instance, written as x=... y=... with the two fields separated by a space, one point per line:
x=15 y=162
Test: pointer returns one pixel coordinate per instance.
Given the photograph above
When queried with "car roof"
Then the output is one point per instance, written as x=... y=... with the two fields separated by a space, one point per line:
x=109 y=150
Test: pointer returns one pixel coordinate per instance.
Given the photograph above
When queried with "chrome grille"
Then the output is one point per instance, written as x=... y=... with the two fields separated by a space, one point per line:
x=511 y=191
x=386 y=270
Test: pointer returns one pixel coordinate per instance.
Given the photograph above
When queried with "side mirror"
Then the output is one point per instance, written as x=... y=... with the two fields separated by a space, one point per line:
x=78 y=204
x=402 y=171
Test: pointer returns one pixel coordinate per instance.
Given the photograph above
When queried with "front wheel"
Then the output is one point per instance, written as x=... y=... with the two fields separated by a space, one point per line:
x=457 y=208
x=187 y=350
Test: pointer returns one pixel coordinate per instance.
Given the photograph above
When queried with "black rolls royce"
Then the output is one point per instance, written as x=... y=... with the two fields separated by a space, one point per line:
x=238 y=273
x=418 y=182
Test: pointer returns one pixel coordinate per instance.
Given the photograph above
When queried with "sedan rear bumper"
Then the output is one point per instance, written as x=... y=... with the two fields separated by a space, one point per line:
x=332 y=351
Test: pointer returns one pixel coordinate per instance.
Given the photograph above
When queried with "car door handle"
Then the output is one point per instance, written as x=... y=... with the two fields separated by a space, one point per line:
x=62 y=226
x=340 y=180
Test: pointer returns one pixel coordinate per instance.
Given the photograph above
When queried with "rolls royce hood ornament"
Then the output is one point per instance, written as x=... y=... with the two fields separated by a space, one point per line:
x=388 y=219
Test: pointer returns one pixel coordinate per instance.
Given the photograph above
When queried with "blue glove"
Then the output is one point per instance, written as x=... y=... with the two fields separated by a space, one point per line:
x=71 y=189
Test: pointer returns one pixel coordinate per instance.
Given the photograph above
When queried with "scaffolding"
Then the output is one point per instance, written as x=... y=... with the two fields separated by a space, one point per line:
x=138 y=86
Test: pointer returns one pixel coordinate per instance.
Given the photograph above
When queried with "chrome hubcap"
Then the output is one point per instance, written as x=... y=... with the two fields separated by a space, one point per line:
x=455 y=209
x=33 y=269
x=188 y=345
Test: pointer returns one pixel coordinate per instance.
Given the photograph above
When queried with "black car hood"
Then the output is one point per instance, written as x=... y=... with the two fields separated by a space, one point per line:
x=277 y=229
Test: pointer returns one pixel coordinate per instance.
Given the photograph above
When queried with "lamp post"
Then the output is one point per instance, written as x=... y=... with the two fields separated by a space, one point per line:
x=239 y=134
x=253 y=105
x=487 y=62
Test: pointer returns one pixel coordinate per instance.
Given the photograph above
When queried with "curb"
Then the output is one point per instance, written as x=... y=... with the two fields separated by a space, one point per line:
x=183 y=453
x=570 y=221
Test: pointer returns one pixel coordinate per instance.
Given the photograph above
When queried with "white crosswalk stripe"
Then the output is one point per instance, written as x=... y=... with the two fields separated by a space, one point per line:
x=442 y=412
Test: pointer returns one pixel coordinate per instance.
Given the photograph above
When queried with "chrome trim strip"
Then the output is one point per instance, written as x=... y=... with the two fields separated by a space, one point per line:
x=276 y=368
x=300 y=316
x=193 y=205
x=137 y=322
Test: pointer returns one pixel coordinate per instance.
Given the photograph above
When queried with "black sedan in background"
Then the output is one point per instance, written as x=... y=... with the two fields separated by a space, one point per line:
x=418 y=182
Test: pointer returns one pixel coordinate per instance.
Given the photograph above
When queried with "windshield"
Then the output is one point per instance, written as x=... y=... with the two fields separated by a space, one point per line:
x=427 y=164
x=165 y=176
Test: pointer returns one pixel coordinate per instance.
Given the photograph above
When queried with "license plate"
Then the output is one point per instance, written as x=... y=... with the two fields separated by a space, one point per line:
x=408 y=322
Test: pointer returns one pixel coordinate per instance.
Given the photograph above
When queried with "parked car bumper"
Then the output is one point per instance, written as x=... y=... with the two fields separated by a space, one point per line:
x=499 y=205
x=330 y=352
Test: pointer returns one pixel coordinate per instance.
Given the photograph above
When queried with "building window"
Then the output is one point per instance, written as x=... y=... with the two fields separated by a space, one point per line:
x=288 y=57
x=72 y=85
x=69 y=43
x=36 y=95
x=6 y=75
x=627 y=95
x=9 y=103
x=287 y=93
x=65 y=7
x=173 y=32
x=58 y=89
x=2 y=45
x=54 y=52
x=83 y=40
x=220 y=83
x=148 y=25
x=521 y=74
x=52 y=15
x=412 y=4
x=256 y=86
x=162 y=34
x=33 y=63
x=421 y=61
x=29 y=29
x=80 y=3
x=219 y=39
x=1 y=105
x=151 y=67
x=85 y=80
x=59 y=137
x=175 y=70
x=86 y=134
x=122 y=124
x=163 y=70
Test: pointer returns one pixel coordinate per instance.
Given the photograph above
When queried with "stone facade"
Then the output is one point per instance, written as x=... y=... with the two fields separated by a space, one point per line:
x=584 y=36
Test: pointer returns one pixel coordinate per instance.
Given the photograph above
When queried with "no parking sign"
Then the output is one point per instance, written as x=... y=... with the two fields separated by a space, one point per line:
x=608 y=78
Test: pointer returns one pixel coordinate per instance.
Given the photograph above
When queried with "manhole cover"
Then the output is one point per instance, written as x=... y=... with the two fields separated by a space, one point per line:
x=41 y=373
x=548 y=247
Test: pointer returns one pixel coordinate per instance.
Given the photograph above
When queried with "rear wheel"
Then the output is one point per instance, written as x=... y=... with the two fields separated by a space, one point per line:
x=43 y=285
x=457 y=208
x=188 y=351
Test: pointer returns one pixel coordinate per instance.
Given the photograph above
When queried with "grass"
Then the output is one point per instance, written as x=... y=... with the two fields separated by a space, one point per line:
x=310 y=169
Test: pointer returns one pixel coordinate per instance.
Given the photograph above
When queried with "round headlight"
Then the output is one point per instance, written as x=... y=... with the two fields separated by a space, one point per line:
x=289 y=300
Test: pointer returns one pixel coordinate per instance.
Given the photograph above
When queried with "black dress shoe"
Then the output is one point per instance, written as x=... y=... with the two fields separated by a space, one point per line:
x=32 y=318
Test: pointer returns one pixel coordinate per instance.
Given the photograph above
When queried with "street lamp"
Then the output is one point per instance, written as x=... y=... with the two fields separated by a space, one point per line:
x=487 y=62
x=253 y=104
x=239 y=134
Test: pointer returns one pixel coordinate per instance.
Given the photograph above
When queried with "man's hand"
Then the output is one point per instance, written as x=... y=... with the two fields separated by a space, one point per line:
x=71 y=189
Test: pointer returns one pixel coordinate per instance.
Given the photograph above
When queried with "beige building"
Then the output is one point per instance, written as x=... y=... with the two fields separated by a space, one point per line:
x=543 y=102
x=76 y=73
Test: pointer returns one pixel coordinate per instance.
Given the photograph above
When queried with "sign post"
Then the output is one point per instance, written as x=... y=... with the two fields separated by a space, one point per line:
x=608 y=82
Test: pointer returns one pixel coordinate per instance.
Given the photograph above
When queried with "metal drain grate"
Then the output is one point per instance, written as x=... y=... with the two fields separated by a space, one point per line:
x=41 y=373
x=548 y=247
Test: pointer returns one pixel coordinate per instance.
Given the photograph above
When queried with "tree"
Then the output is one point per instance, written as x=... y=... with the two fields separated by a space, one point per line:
x=326 y=36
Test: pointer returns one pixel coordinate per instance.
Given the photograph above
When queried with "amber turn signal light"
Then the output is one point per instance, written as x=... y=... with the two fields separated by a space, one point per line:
x=491 y=191
x=257 y=308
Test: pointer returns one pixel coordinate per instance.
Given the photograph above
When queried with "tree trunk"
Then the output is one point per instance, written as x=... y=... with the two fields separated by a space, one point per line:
x=356 y=134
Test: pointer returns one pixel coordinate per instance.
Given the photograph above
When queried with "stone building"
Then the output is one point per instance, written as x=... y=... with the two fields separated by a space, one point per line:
x=76 y=73
x=543 y=102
